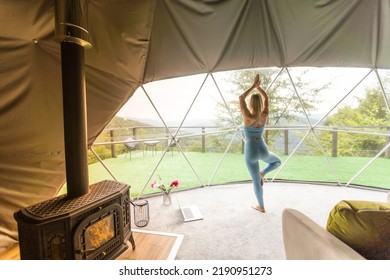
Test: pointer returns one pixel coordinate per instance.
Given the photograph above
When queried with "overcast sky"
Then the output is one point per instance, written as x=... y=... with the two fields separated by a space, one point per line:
x=173 y=97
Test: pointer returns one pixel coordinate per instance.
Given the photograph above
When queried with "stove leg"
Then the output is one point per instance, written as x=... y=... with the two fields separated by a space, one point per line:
x=131 y=239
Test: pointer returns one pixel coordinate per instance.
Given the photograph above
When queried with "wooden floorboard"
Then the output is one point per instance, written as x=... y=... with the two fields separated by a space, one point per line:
x=149 y=246
x=165 y=250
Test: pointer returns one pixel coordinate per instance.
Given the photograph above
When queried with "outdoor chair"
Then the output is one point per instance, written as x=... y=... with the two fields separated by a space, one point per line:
x=173 y=144
x=131 y=146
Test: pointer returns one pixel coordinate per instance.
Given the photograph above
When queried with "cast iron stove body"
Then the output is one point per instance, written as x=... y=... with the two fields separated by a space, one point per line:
x=94 y=226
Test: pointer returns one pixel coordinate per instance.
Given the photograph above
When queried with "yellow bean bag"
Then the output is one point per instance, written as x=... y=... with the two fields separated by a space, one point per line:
x=364 y=226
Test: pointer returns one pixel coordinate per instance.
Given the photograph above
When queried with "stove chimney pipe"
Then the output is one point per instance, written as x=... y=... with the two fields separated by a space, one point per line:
x=70 y=28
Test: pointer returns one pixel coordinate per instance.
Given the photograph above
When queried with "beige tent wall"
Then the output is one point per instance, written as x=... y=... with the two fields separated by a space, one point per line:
x=32 y=164
x=210 y=36
x=138 y=41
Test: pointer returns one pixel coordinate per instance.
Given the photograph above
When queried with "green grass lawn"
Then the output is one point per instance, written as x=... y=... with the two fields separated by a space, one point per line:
x=137 y=171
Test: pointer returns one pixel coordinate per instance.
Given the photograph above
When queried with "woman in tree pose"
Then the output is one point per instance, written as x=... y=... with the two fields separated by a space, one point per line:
x=255 y=117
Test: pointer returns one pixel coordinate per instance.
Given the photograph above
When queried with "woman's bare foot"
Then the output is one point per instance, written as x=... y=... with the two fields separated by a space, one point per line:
x=259 y=208
x=262 y=178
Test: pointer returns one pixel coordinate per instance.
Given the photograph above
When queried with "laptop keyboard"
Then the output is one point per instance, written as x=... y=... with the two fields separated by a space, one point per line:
x=188 y=213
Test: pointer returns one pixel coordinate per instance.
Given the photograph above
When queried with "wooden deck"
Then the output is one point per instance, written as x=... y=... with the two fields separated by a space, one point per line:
x=149 y=246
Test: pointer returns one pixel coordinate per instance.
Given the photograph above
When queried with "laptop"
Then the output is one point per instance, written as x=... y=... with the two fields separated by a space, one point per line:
x=191 y=213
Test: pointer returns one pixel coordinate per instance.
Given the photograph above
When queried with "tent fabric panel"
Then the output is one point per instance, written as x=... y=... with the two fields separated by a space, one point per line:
x=31 y=144
x=27 y=179
x=106 y=94
x=119 y=34
x=191 y=37
x=382 y=38
x=115 y=65
x=26 y=20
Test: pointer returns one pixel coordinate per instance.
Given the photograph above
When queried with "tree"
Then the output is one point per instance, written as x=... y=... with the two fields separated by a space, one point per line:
x=285 y=106
x=371 y=111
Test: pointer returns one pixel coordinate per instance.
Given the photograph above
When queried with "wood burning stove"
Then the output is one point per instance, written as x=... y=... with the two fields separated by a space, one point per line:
x=90 y=227
x=89 y=222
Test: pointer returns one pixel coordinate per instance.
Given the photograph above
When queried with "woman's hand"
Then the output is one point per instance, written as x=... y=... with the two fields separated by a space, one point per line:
x=256 y=82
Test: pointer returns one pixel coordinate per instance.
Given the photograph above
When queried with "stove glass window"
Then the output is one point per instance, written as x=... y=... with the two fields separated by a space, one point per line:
x=99 y=232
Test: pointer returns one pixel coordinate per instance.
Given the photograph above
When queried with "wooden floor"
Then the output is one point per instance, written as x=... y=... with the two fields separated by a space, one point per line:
x=149 y=246
x=152 y=246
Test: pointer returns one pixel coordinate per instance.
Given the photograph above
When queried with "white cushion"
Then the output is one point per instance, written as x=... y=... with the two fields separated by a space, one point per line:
x=306 y=240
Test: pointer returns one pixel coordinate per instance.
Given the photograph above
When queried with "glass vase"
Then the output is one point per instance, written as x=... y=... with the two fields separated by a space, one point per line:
x=167 y=199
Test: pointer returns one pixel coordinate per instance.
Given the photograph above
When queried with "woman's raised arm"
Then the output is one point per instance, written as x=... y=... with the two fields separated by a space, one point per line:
x=265 y=111
x=243 y=106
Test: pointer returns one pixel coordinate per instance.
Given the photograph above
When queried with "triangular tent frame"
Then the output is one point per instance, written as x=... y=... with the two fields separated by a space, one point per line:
x=311 y=130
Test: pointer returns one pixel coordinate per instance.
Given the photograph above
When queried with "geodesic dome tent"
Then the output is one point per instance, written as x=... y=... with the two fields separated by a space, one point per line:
x=137 y=42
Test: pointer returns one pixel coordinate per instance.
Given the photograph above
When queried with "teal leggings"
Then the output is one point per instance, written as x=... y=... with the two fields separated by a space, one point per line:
x=256 y=149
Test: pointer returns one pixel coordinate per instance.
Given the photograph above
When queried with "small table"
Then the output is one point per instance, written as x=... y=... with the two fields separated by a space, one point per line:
x=152 y=144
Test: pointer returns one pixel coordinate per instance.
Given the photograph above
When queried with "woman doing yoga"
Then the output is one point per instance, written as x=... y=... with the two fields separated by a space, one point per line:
x=255 y=118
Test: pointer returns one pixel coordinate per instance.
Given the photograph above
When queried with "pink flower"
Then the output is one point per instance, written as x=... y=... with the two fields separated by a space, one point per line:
x=175 y=184
x=154 y=185
x=160 y=185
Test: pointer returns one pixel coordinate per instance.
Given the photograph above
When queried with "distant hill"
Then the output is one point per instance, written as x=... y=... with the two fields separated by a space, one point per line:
x=173 y=123
x=117 y=122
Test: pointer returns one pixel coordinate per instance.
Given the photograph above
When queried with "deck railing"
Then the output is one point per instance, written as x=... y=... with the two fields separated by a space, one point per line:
x=165 y=134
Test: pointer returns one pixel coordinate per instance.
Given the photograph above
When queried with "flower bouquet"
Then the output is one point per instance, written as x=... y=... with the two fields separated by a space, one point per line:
x=165 y=190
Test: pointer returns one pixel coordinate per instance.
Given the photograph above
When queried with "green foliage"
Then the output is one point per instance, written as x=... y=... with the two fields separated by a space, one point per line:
x=121 y=129
x=191 y=144
x=285 y=106
x=118 y=122
x=373 y=108
x=371 y=111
